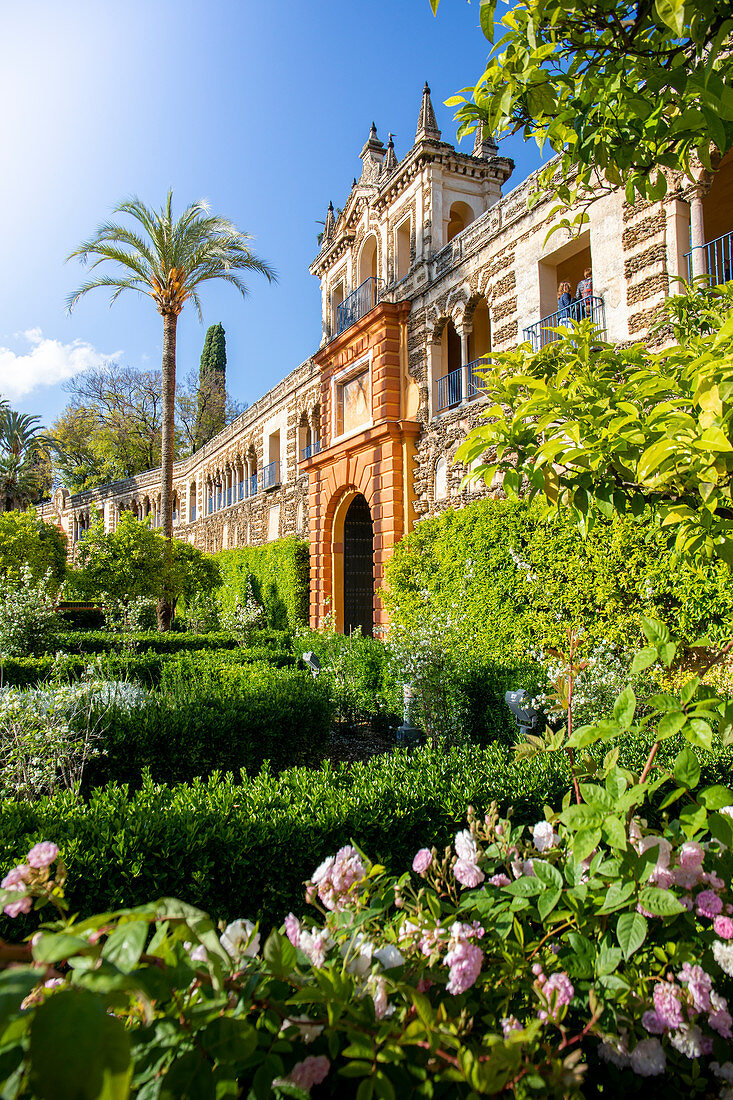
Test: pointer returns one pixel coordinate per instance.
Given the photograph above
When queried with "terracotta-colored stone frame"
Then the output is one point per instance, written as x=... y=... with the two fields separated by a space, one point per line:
x=376 y=461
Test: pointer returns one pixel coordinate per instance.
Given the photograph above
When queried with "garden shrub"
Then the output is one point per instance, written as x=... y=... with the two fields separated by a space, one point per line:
x=280 y=574
x=149 y=668
x=246 y=846
x=27 y=542
x=78 y=616
x=27 y=615
x=225 y=718
x=360 y=674
x=514 y=583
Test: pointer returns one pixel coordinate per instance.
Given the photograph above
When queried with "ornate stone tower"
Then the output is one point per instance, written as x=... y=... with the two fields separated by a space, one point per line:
x=376 y=254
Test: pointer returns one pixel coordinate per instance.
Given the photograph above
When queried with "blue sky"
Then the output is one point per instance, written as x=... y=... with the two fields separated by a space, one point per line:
x=262 y=108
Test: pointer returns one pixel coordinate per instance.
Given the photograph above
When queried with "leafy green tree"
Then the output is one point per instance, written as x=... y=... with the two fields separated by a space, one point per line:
x=168 y=259
x=620 y=89
x=586 y=426
x=27 y=542
x=134 y=561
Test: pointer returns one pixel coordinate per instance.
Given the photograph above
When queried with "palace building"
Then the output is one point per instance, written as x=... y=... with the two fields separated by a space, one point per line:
x=433 y=263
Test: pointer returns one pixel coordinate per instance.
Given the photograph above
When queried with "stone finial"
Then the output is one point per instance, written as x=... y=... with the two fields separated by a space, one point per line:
x=484 y=145
x=372 y=157
x=427 y=124
x=390 y=160
x=329 y=225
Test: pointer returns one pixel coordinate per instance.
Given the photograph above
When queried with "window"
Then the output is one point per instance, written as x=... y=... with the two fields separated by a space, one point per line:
x=353 y=404
x=441 y=478
x=459 y=217
x=402 y=248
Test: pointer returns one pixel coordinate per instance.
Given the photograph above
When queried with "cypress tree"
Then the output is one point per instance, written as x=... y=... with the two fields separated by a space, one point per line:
x=211 y=412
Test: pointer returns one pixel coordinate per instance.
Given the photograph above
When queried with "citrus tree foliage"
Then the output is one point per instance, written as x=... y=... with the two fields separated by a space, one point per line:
x=132 y=562
x=584 y=424
x=26 y=542
x=619 y=88
x=586 y=954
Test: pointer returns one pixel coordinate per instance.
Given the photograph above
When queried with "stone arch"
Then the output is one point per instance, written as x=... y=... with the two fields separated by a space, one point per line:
x=368 y=258
x=441 y=489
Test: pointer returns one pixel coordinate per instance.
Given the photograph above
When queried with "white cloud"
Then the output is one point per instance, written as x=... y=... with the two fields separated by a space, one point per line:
x=46 y=363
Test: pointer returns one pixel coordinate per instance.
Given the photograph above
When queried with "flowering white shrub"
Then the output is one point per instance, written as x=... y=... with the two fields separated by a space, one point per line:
x=133 y=616
x=243 y=617
x=48 y=734
x=202 y=613
x=27 y=615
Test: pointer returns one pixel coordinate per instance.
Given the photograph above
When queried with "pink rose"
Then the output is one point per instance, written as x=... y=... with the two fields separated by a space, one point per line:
x=468 y=874
x=723 y=927
x=422 y=861
x=311 y=1071
x=42 y=854
x=16 y=878
x=13 y=908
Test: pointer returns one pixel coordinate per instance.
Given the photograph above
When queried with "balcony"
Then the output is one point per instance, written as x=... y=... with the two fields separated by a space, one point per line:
x=311 y=450
x=271 y=475
x=716 y=261
x=588 y=309
x=357 y=305
x=252 y=485
x=449 y=390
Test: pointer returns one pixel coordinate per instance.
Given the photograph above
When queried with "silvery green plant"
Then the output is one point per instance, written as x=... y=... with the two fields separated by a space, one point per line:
x=27 y=615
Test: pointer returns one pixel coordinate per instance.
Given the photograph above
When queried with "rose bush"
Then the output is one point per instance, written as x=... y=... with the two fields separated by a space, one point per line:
x=590 y=951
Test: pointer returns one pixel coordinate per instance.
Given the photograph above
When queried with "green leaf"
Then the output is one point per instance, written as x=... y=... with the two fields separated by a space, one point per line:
x=631 y=929
x=525 y=887
x=662 y=903
x=279 y=954
x=586 y=840
x=698 y=732
x=55 y=947
x=716 y=797
x=546 y=873
x=608 y=960
x=125 y=945
x=670 y=724
x=617 y=896
x=547 y=901
x=189 y=1078
x=654 y=631
x=686 y=767
x=693 y=819
x=721 y=827
x=15 y=985
x=643 y=658
x=78 y=1051
x=229 y=1040
x=614 y=832
x=672 y=12
x=624 y=708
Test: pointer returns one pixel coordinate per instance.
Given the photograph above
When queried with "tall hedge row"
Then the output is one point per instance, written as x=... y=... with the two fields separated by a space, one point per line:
x=280 y=573
x=514 y=582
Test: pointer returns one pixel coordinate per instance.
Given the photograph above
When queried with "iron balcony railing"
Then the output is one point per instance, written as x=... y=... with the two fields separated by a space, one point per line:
x=271 y=475
x=590 y=309
x=240 y=490
x=718 y=260
x=252 y=483
x=449 y=390
x=476 y=380
x=312 y=449
x=357 y=305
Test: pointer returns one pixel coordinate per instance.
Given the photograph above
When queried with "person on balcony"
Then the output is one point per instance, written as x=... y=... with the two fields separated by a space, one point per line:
x=584 y=294
x=564 y=301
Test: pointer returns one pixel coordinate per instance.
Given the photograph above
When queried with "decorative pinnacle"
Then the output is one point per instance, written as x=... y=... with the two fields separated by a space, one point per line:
x=484 y=145
x=427 y=124
x=330 y=224
x=390 y=160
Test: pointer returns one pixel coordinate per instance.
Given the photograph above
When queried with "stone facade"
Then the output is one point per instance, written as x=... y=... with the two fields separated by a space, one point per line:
x=427 y=268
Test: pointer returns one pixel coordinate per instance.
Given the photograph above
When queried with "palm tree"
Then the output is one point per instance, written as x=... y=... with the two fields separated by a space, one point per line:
x=22 y=442
x=169 y=260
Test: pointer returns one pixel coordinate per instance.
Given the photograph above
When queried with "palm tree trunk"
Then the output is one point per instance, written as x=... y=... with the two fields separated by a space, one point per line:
x=165 y=603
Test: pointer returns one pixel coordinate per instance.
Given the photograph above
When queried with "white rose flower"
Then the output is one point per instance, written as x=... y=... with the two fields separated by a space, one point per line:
x=241 y=939
x=389 y=956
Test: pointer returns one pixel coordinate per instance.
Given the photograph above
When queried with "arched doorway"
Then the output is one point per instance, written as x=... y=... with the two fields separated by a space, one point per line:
x=358 y=567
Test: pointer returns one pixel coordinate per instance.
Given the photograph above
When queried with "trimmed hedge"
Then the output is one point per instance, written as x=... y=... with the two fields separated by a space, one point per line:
x=223 y=718
x=245 y=848
x=153 y=641
x=145 y=668
x=280 y=573
x=460 y=562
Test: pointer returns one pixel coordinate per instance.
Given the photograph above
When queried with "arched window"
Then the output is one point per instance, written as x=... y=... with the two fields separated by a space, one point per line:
x=441 y=478
x=459 y=217
x=368 y=259
x=192 y=502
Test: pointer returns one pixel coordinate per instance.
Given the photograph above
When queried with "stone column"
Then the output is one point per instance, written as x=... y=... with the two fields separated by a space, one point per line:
x=464 y=366
x=697 y=235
